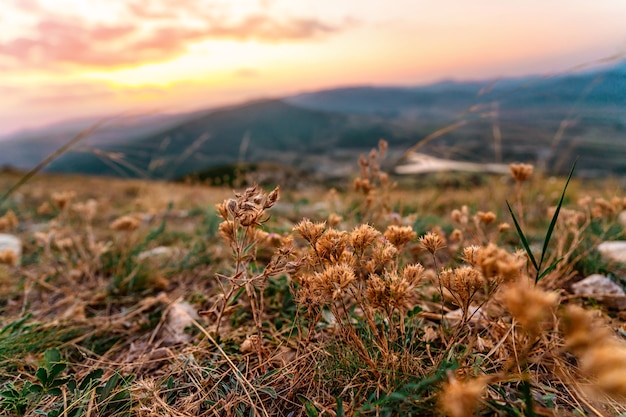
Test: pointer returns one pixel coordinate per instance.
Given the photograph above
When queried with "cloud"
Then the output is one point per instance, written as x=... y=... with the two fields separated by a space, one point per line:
x=151 y=32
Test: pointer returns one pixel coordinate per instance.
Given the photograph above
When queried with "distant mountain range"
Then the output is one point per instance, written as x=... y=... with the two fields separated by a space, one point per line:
x=544 y=120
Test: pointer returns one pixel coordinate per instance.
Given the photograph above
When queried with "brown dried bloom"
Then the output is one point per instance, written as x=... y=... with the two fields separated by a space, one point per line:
x=334 y=219
x=62 y=199
x=432 y=242
x=383 y=145
x=503 y=227
x=521 y=172
x=331 y=244
x=45 y=209
x=400 y=235
x=413 y=273
x=125 y=223
x=460 y=399
x=391 y=292
x=486 y=218
x=529 y=305
x=383 y=252
x=64 y=243
x=496 y=264
x=226 y=231
x=362 y=237
x=460 y=216
x=600 y=355
x=327 y=286
x=456 y=236
x=9 y=221
x=463 y=283
x=8 y=257
x=310 y=231
x=87 y=210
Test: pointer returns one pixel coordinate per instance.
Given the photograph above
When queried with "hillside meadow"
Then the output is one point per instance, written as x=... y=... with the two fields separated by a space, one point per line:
x=373 y=298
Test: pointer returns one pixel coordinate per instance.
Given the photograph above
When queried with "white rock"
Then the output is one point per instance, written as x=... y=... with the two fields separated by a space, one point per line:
x=597 y=284
x=181 y=314
x=13 y=243
x=474 y=314
x=614 y=250
x=159 y=251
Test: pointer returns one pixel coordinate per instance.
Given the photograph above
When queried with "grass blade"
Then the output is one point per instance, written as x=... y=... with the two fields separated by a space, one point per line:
x=522 y=237
x=546 y=241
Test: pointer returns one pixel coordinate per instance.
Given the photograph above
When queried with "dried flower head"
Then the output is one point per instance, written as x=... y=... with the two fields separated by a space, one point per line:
x=521 y=172
x=45 y=209
x=62 y=199
x=496 y=264
x=600 y=355
x=463 y=283
x=503 y=227
x=460 y=399
x=9 y=221
x=432 y=242
x=125 y=223
x=8 y=257
x=334 y=219
x=331 y=244
x=87 y=210
x=310 y=231
x=486 y=218
x=530 y=305
x=400 y=235
x=362 y=237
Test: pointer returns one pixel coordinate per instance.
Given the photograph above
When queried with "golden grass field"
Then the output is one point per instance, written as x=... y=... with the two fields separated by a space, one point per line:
x=147 y=298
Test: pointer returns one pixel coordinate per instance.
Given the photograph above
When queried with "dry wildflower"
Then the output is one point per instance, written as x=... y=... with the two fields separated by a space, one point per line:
x=600 y=355
x=383 y=177
x=9 y=221
x=400 y=235
x=8 y=257
x=602 y=208
x=460 y=399
x=460 y=216
x=503 y=227
x=382 y=147
x=432 y=242
x=125 y=223
x=391 y=292
x=86 y=210
x=530 y=305
x=331 y=244
x=585 y=201
x=456 y=236
x=45 y=209
x=226 y=230
x=486 y=218
x=463 y=283
x=521 y=172
x=382 y=254
x=496 y=264
x=470 y=254
x=310 y=231
x=62 y=199
x=222 y=209
x=413 y=273
x=334 y=219
x=331 y=284
x=362 y=237
x=64 y=243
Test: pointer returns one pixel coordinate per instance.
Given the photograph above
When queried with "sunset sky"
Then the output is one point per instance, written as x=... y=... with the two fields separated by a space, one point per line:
x=61 y=59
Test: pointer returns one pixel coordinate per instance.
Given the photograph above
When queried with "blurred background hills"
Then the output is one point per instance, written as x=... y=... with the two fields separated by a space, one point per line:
x=548 y=121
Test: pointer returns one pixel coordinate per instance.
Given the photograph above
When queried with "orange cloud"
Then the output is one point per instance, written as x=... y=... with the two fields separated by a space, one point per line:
x=152 y=32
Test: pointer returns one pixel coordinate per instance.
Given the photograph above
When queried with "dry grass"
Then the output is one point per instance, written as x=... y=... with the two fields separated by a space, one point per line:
x=377 y=301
